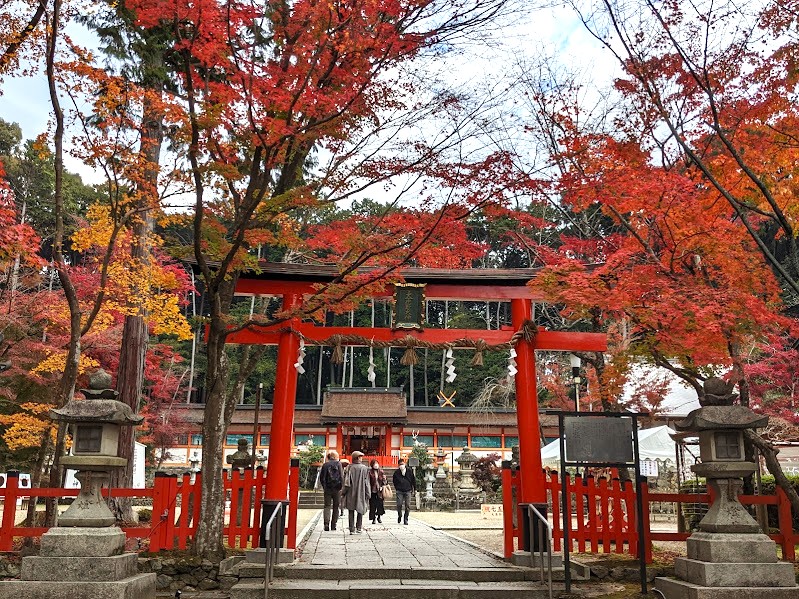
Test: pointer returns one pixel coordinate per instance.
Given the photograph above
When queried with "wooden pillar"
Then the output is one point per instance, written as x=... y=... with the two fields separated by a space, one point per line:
x=282 y=429
x=532 y=479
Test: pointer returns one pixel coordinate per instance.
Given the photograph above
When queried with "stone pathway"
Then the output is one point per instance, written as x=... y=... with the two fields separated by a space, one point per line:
x=392 y=545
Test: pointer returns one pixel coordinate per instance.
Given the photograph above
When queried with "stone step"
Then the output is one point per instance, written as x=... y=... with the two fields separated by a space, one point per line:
x=672 y=588
x=300 y=572
x=390 y=589
x=386 y=572
x=579 y=571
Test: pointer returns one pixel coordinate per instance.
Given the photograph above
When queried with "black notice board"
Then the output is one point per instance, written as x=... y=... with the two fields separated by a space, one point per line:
x=599 y=439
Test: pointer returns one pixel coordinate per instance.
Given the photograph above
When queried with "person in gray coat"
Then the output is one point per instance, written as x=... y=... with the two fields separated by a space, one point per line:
x=356 y=492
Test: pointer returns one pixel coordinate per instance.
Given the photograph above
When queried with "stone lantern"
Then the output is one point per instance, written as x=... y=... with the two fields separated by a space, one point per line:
x=466 y=463
x=729 y=557
x=84 y=554
x=95 y=425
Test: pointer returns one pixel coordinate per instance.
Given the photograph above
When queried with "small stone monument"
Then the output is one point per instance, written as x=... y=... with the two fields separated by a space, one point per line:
x=729 y=557
x=466 y=463
x=260 y=458
x=83 y=555
x=241 y=458
x=429 y=478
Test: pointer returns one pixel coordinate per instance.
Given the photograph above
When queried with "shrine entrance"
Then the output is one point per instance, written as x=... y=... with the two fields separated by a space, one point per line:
x=294 y=281
x=370 y=444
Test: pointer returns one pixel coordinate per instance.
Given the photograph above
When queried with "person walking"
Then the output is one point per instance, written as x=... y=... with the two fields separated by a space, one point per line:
x=405 y=487
x=345 y=463
x=331 y=479
x=356 y=492
x=377 y=480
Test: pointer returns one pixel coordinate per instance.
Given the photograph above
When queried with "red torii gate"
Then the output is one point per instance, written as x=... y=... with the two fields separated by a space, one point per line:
x=292 y=282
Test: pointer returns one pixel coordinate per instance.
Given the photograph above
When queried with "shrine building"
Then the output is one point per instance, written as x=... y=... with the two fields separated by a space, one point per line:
x=375 y=421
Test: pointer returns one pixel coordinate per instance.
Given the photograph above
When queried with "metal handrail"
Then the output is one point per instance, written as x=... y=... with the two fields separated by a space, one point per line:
x=273 y=536
x=543 y=523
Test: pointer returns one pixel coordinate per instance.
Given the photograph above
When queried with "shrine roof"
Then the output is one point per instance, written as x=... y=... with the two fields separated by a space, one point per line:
x=325 y=273
x=311 y=415
x=364 y=405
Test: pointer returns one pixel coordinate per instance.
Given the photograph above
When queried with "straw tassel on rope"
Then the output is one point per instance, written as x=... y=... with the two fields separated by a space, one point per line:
x=338 y=351
x=409 y=358
x=479 y=347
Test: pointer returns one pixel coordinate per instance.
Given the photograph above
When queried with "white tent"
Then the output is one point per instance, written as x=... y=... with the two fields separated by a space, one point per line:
x=654 y=444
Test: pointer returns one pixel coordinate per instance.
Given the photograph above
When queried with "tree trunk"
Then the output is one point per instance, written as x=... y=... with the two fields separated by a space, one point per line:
x=770 y=455
x=208 y=539
x=135 y=337
x=66 y=386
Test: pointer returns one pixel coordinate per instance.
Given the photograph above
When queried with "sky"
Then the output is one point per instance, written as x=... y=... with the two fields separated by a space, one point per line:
x=554 y=31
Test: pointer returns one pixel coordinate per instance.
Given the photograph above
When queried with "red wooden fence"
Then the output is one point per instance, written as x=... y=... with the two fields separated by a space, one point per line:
x=603 y=519
x=175 y=509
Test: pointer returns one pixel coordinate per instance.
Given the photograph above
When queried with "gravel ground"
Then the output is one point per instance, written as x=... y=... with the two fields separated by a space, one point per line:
x=471 y=526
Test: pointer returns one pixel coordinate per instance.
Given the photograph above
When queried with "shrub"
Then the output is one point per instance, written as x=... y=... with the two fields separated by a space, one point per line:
x=487 y=474
x=420 y=451
x=769 y=488
x=145 y=515
x=310 y=458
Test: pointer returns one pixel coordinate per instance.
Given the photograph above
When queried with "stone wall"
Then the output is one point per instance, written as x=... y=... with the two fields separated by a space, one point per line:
x=174 y=573
x=190 y=573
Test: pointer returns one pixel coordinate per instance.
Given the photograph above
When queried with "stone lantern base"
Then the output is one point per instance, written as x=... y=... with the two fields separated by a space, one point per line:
x=730 y=566
x=81 y=562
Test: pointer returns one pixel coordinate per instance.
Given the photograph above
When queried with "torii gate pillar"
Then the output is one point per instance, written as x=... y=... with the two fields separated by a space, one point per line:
x=282 y=429
x=532 y=480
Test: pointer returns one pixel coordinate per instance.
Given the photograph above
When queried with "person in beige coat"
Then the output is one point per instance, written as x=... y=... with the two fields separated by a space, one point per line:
x=356 y=492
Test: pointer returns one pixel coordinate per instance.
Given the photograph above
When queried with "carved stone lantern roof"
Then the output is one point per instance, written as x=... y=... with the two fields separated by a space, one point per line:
x=100 y=405
x=97 y=410
x=721 y=417
x=466 y=459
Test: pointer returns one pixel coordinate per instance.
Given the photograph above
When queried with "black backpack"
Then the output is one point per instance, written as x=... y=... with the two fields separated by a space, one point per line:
x=333 y=479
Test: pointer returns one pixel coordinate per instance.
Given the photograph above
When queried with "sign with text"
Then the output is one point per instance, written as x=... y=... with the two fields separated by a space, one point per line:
x=408 y=306
x=491 y=510
x=598 y=439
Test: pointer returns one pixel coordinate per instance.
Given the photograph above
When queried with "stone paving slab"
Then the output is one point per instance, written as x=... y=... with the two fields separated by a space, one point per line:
x=393 y=546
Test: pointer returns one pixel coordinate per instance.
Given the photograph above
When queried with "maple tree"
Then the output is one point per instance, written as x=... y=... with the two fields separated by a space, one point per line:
x=711 y=84
x=257 y=107
x=665 y=265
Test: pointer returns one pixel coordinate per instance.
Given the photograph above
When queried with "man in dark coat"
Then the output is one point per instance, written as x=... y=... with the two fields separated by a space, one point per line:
x=405 y=487
x=331 y=478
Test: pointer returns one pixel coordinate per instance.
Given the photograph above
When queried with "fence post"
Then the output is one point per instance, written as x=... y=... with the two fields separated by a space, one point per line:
x=294 y=500
x=646 y=532
x=160 y=511
x=9 y=510
x=785 y=519
x=507 y=508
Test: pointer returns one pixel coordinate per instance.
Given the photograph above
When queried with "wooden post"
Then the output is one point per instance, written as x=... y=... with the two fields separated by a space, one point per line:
x=579 y=509
x=9 y=510
x=294 y=500
x=646 y=533
x=282 y=429
x=532 y=483
x=507 y=509
x=785 y=520
x=185 y=509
